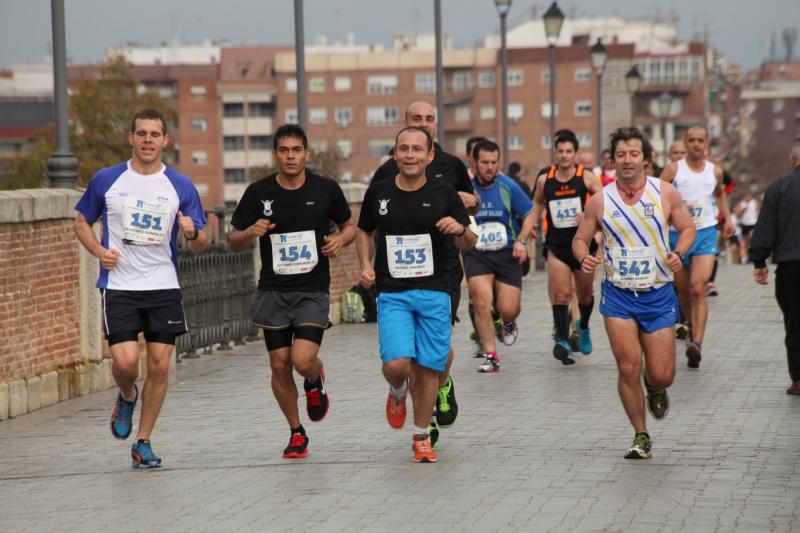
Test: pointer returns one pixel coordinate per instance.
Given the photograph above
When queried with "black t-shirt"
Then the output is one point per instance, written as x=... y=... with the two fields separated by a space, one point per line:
x=555 y=190
x=444 y=166
x=388 y=210
x=301 y=219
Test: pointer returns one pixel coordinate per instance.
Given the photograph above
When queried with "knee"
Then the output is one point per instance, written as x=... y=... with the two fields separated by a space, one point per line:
x=158 y=369
x=397 y=368
x=697 y=290
x=662 y=378
x=481 y=301
x=561 y=297
x=126 y=366
x=306 y=367
x=630 y=369
x=280 y=367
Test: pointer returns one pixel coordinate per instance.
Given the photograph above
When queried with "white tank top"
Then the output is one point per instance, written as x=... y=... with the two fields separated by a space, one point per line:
x=697 y=191
x=749 y=214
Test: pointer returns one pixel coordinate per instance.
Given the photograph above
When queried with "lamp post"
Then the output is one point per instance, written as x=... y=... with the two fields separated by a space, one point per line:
x=599 y=55
x=664 y=105
x=553 y=20
x=437 y=22
x=503 y=7
x=300 y=62
x=62 y=167
x=632 y=81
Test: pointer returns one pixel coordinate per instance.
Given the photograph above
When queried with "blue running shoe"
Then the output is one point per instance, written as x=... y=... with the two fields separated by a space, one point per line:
x=563 y=352
x=143 y=456
x=584 y=339
x=122 y=417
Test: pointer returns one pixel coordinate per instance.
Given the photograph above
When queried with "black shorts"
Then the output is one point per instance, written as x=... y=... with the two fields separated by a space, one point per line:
x=564 y=253
x=502 y=264
x=148 y=311
x=279 y=310
x=746 y=230
x=455 y=299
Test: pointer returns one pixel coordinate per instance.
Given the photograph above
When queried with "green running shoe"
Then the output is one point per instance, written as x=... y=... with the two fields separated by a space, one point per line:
x=433 y=431
x=640 y=448
x=446 y=405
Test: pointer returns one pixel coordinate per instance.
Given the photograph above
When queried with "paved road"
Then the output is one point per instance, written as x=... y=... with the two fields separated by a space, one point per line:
x=537 y=447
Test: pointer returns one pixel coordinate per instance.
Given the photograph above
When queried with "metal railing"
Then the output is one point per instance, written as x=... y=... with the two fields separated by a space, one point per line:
x=218 y=287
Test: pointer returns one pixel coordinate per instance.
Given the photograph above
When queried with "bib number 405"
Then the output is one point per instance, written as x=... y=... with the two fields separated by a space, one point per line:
x=410 y=256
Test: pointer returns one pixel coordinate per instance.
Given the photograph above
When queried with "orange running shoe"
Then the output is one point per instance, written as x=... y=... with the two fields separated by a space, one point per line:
x=423 y=451
x=396 y=411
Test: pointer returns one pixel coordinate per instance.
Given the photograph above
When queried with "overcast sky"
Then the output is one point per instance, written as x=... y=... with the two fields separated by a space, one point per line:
x=741 y=29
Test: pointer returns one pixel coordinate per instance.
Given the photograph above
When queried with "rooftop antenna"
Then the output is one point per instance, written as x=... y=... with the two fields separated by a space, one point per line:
x=789 y=40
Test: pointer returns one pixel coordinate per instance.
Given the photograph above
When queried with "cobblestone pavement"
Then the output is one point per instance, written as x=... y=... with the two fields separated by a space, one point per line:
x=537 y=447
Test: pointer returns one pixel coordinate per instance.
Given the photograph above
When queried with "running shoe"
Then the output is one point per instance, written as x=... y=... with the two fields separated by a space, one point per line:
x=143 y=456
x=657 y=399
x=122 y=417
x=317 y=401
x=498 y=328
x=711 y=289
x=510 y=333
x=573 y=341
x=563 y=352
x=490 y=364
x=584 y=341
x=433 y=431
x=423 y=450
x=682 y=331
x=298 y=446
x=693 y=355
x=446 y=405
x=396 y=411
x=640 y=448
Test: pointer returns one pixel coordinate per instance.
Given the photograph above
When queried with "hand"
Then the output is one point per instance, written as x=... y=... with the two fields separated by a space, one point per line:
x=520 y=251
x=367 y=277
x=728 y=230
x=535 y=233
x=186 y=224
x=674 y=262
x=589 y=264
x=260 y=228
x=761 y=275
x=450 y=226
x=108 y=258
x=333 y=246
x=470 y=200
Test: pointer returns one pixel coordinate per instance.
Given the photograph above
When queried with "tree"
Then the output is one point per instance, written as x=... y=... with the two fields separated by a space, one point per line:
x=100 y=111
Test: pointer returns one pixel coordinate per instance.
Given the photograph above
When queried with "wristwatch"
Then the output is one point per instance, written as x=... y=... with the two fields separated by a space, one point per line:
x=193 y=237
x=523 y=242
x=679 y=254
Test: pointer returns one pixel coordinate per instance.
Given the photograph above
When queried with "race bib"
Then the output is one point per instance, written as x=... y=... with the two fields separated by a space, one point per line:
x=293 y=253
x=144 y=223
x=702 y=212
x=409 y=256
x=491 y=236
x=564 y=212
x=633 y=267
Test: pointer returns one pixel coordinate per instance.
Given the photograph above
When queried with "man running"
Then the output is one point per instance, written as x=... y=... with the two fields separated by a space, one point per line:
x=144 y=205
x=562 y=193
x=289 y=213
x=638 y=303
x=677 y=151
x=419 y=225
x=494 y=266
x=699 y=183
x=608 y=171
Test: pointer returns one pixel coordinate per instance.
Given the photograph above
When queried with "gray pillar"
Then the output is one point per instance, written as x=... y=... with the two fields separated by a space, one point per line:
x=62 y=167
x=504 y=81
x=551 y=52
x=300 y=62
x=597 y=141
x=437 y=21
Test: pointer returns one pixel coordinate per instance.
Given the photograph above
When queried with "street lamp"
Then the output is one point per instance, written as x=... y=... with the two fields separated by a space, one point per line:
x=503 y=7
x=599 y=56
x=437 y=23
x=553 y=20
x=62 y=167
x=664 y=105
x=632 y=81
x=300 y=63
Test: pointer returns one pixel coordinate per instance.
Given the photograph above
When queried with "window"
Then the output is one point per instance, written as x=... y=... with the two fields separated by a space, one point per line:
x=341 y=83
x=544 y=77
x=167 y=91
x=515 y=142
x=198 y=92
x=486 y=79
x=380 y=148
x=462 y=113
x=233 y=110
x=461 y=81
x=292 y=117
x=260 y=142
x=683 y=70
x=583 y=75
x=319 y=146
x=381 y=116
x=291 y=85
x=426 y=83
x=199 y=157
x=233 y=142
x=778 y=124
x=318 y=115
x=382 y=84
x=346 y=176
x=261 y=109
x=316 y=85
x=234 y=175
x=583 y=108
x=515 y=111
x=344 y=147
x=343 y=116
x=546 y=110
x=778 y=105
x=199 y=124
x=488 y=112
x=584 y=139
x=514 y=77
x=546 y=141
x=696 y=70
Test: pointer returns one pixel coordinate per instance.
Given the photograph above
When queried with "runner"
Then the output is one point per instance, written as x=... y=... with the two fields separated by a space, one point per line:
x=494 y=267
x=143 y=205
x=419 y=224
x=699 y=183
x=607 y=168
x=747 y=211
x=289 y=213
x=562 y=193
x=637 y=302
x=676 y=152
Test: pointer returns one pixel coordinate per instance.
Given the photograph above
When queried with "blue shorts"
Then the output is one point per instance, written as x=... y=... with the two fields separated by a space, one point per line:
x=652 y=310
x=415 y=324
x=705 y=243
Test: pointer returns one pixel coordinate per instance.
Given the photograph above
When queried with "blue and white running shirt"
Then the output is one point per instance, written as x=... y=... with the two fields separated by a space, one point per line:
x=140 y=221
x=503 y=202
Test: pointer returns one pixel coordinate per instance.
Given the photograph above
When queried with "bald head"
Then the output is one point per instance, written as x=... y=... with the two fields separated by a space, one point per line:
x=423 y=115
x=677 y=151
x=696 y=141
